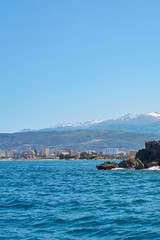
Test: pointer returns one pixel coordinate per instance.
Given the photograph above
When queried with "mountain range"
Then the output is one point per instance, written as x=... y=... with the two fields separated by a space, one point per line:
x=140 y=123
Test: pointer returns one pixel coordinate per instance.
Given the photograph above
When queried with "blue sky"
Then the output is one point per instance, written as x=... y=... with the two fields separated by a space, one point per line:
x=77 y=60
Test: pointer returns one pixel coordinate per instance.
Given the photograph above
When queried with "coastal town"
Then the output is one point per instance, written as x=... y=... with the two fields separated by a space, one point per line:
x=66 y=154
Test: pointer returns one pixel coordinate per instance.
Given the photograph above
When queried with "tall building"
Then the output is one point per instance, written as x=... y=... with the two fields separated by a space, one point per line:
x=44 y=152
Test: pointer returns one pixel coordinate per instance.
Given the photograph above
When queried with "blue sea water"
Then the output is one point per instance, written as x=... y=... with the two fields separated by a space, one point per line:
x=72 y=200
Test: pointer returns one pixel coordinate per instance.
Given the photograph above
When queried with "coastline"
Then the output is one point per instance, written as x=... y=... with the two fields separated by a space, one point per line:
x=48 y=159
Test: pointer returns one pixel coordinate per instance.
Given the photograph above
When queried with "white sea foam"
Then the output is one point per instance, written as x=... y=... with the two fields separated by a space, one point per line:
x=154 y=168
x=118 y=168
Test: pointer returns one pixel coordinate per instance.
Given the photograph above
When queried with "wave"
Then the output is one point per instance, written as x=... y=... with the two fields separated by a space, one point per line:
x=154 y=168
x=117 y=168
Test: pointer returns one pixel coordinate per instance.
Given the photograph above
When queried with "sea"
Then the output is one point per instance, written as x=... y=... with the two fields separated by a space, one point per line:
x=72 y=200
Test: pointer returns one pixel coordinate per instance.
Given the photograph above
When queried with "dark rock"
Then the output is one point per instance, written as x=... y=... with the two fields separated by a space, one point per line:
x=150 y=156
x=107 y=165
x=143 y=155
x=139 y=165
x=131 y=163
x=153 y=147
x=152 y=164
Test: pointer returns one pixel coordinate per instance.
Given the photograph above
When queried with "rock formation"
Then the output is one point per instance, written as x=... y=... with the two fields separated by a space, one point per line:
x=107 y=165
x=150 y=156
x=131 y=163
x=145 y=158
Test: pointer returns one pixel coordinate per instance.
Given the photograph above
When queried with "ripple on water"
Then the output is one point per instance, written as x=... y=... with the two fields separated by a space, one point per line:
x=73 y=200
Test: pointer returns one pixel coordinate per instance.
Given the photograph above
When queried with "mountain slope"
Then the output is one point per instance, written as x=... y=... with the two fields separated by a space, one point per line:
x=76 y=140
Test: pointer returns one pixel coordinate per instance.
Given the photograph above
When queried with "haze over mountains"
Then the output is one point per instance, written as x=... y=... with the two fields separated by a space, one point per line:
x=140 y=123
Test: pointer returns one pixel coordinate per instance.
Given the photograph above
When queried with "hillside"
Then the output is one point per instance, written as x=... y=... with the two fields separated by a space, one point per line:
x=77 y=140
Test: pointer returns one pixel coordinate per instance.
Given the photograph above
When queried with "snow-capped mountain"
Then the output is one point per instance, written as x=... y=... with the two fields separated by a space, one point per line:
x=149 y=122
x=129 y=122
x=127 y=117
x=74 y=126
x=140 y=119
x=78 y=124
x=152 y=115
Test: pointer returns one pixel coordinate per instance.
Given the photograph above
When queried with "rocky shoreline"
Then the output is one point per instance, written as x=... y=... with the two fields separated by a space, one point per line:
x=145 y=158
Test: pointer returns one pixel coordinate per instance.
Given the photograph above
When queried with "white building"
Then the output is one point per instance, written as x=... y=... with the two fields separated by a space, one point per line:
x=110 y=151
x=51 y=155
x=65 y=152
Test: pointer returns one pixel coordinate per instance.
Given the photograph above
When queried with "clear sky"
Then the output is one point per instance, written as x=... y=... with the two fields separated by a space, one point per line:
x=76 y=60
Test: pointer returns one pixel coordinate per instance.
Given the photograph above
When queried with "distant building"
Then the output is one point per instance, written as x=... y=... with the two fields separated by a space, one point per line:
x=110 y=151
x=77 y=153
x=44 y=152
x=57 y=152
x=29 y=154
x=101 y=153
x=65 y=152
x=131 y=154
x=51 y=154
x=11 y=153
x=2 y=153
x=122 y=153
x=69 y=151
x=89 y=151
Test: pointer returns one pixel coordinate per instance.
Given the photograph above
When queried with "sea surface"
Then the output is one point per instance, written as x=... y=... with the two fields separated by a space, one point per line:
x=73 y=200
